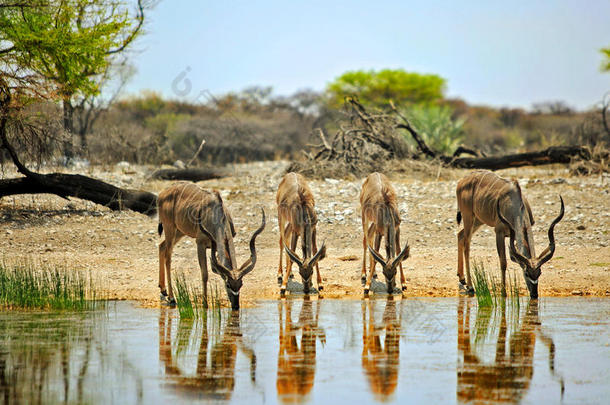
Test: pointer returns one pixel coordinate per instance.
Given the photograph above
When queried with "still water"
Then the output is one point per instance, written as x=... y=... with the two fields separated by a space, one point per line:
x=320 y=351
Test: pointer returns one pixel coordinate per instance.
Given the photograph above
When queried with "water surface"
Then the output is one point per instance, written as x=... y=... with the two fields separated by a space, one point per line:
x=302 y=351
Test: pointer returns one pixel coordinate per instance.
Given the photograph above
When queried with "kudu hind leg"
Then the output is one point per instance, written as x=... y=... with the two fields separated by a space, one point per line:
x=162 y=252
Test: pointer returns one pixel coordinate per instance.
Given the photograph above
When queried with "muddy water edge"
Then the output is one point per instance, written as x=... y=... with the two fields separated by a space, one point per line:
x=311 y=351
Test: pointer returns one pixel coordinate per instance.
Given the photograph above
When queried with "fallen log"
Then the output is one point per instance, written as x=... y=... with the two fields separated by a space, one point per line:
x=554 y=154
x=87 y=188
x=188 y=174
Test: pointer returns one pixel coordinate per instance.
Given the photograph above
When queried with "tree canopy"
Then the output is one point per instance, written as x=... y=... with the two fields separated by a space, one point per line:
x=68 y=43
x=606 y=61
x=378 y=88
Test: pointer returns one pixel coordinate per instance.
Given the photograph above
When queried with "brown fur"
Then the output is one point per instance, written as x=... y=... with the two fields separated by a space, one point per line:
x=297 y=219
x=188 y=210
x=380 y=218
x=481 y=196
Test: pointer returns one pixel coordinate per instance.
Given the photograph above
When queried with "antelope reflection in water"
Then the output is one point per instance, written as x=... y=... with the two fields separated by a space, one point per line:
x=296 y=366
x=215 y=379
x=381 y=362
x=508 y=377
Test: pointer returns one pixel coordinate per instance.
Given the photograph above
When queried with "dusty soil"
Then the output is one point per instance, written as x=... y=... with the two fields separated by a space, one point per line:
x=120 y=248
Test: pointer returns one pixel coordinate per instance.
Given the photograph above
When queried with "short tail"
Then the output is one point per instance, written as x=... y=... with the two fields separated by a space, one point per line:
x=160 y=228
x=458 y=217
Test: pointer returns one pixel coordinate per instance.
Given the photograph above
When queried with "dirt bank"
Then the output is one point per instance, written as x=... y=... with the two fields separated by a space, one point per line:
x=120 y=248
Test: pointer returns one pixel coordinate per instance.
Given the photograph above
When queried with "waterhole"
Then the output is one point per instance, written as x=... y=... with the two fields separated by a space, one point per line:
x=312 y=351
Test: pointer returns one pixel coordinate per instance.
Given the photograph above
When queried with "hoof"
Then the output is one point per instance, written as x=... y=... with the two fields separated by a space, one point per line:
x=366 y=292
x=404 y=288
x=375 y=276
x=291 y=276
x=279 y=280
x=320 y=287
x=282 y=292
x=363 y=281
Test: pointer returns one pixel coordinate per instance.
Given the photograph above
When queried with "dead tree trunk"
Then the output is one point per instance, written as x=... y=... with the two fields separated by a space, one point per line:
x=70 y=185
x=86 y=188
x=554 y=154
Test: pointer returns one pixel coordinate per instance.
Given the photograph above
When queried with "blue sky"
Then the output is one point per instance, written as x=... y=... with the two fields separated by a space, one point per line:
x=491 y=52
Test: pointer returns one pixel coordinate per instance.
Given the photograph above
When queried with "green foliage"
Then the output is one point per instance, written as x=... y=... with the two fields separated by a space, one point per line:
x=69 y=43
x=606 y=62
x=377 y=89
x=191 y=303
x=488 y=289
x=437 y=127
x=24 y=285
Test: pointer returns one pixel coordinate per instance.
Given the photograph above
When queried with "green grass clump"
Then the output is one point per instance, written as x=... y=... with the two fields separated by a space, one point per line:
x=191 y=303
x=30 y=286
x=488 y=289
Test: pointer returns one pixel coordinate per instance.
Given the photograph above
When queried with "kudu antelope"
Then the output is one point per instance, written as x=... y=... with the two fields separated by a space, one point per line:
x=187 y=210
x=485 y=198
x=380 y=219
x=297 y=218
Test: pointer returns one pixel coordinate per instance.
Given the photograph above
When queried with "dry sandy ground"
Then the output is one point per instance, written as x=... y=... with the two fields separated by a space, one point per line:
x=120 y=248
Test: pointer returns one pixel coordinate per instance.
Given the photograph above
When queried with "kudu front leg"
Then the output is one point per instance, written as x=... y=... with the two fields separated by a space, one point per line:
x=315 y=250
x=364 y=253
x=369 y=280
x=293 y=244
x=501 y=247
x=280 y=268
x=203 y=265
x=403 y=283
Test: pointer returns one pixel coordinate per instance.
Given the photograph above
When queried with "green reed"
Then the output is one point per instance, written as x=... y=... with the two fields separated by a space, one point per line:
x=28 y=285
x=488 y=288
x=192 y=304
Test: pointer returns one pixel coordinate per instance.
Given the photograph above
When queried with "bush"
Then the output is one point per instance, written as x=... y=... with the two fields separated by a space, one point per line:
x=437 y=127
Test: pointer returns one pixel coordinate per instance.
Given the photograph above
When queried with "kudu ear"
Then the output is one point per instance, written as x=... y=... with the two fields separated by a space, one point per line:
x=518 y=256
x=248 y=266
x=378 y=258
x=548 y=253
x=217 y=267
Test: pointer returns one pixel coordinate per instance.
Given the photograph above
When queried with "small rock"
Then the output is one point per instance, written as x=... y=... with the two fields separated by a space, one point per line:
x=179 y=164
x=581 y=227
x=576 y=292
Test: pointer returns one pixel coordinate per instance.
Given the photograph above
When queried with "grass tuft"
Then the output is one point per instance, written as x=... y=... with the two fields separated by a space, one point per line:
x=488 y=288
x=27 y=285
x=191 y=303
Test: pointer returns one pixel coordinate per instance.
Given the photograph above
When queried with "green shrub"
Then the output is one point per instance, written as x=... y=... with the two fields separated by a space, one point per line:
x=437 y=127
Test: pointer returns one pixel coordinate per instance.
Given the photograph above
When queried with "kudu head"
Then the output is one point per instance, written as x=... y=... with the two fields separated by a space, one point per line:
x=306 y=265
x=233 y=277
x=389 y=265
x=532 y=266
